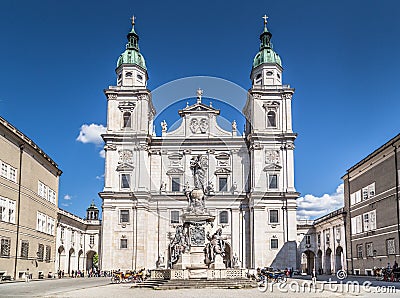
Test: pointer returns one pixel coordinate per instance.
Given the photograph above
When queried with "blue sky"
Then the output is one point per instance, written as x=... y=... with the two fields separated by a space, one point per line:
x=342 y=57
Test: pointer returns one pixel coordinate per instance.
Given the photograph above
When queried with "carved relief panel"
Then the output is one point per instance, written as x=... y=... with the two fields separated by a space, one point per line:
x=199 y=125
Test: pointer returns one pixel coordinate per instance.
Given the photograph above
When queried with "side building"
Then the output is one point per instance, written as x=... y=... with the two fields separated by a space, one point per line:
x=321 y=244
x=28 y=205
x=371 y=196
x=78 y=241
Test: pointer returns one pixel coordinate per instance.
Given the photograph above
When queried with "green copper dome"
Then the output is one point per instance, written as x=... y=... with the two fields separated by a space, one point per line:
x=266 y=53
x=131 y=57
x=132 y=54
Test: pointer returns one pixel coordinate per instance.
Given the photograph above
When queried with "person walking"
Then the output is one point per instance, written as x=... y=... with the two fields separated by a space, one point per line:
x=314 y=277
x=27 y=275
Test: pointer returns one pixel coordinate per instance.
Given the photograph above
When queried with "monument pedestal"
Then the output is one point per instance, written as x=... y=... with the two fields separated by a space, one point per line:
x=218 y=263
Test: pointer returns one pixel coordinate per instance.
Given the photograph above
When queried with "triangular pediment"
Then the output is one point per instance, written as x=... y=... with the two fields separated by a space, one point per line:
x=272 y=167
x=222 y=171
x=175 y=171
x=198 y=108
x=125 y=167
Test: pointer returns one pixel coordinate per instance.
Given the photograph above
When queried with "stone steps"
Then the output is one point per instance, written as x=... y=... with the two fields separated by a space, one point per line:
x=197 y=284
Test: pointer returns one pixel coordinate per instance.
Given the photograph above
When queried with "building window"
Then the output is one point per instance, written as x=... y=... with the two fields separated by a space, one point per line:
x=24 y=249
x=40 y=253
x=271 y=119
x=356 y=225
x=124 y=216
x=274 y=243
x=371 y=190
x=127 y=119
x=390 y=247
x=319 y=239
x=91 y=238
x=308 y=239
x=223 y=184
x=7 y=210
x=273 y=216
x=369 y=249
x=4 y=170
x=8 y=172
x=359 y=251
x=48 y=253
x=3 y=203
x=365 y=193
x=124 y=243
x=272 y=181
x=125 y=180
x=128 y=74
x=223 y=217
x=62 y=233
x=5 y=247
x=176 y=184
x=174 y=217
x=72 y=236
x=369 y=220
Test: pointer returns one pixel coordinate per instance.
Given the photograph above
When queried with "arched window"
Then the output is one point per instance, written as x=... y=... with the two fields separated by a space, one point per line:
x=127 y=119
x=271 y=119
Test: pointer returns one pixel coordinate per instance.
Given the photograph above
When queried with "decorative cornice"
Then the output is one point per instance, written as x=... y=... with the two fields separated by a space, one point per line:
x=222 y=171
x=272 y=167
x=125 y=167
x=175 y=156
x=126 y=106
x=175 y=171
x=222 y=155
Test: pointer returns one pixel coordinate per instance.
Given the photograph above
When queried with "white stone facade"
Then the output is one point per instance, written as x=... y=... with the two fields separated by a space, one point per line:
x=78 y=241
x=322 y=244
x=249 y=178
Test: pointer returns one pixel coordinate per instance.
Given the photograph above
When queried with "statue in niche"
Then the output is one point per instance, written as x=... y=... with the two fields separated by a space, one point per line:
x=215 y=246
x=178 y=245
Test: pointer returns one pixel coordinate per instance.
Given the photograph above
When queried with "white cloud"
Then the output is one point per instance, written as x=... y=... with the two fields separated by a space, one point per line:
x=65 y=204
x=67 y=197
x=101 y=177
x=91 y=134
x=102 y=153
x=311 y=207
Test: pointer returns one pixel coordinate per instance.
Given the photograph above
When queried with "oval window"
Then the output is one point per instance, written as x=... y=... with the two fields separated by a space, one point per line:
x=139 y=77
x=128 y=74
x=269 y=73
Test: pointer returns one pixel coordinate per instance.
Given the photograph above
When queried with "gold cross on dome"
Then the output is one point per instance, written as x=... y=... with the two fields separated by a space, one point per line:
x=265 y=19
x=133 y=20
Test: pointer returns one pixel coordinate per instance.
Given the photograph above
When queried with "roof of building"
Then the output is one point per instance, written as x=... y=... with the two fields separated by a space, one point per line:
x=27 y=141
x=266 y=53
x=132 y=54
x=374 y=153
x=329 y=215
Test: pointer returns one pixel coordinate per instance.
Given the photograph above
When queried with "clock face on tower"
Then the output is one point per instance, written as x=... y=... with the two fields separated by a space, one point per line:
x=272 y=157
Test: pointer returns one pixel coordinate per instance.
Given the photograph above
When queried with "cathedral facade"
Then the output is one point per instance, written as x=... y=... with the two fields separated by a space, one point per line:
x=247 y=179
